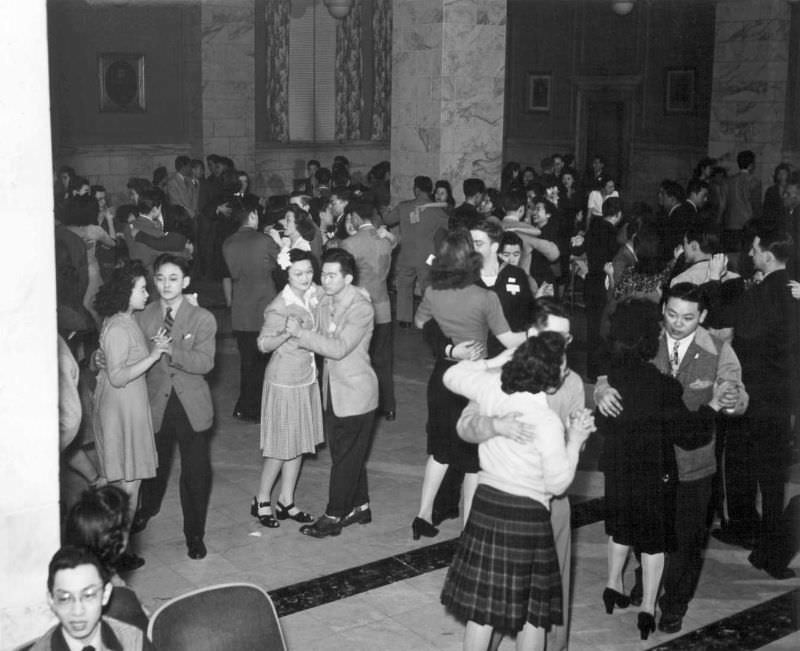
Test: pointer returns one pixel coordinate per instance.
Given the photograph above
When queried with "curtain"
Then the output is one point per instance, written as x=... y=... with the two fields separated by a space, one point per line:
x=277 y=54
x=348 y=75
x=382 y=69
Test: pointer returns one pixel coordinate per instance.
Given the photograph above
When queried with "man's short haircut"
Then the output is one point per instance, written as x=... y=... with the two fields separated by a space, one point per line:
x=549 y=206
x=243 y=207
x=314 y=161
x=542 y=308
x=706 y=235
x=341 y=160
x=688 y=292
x=489 y=226
x=97 y=188
x=745 y=159
x=170 y=258
x=423 y=184
x=182 y=161
x=149 y=199
x=510 y=238
x=342 y=192
x=340 y=176
x=673 y=189
x=323 y=176
x=196 y=162
x=346 y=261
x=68 y=558
x=778 y=243
x=471 y=187
x=213 y=158
x=138 y=185
x=547 y=163
x=696 y=186
x=513 y=200
x=612 y=206
x=366 y=211
x=226 y=162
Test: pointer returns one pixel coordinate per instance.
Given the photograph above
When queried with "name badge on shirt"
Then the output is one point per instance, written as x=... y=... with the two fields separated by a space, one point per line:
x=430 y=259
x=512 y=287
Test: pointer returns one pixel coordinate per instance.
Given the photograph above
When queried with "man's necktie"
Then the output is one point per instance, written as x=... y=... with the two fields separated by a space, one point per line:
x=675 y=359
x=169 y=320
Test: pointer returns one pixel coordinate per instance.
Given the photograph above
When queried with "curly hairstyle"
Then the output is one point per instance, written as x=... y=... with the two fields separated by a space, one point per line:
x=302 y=222
x=635 y=328
x=535 y=365
x=115 y=294
x=457 y=264
x=98 y=522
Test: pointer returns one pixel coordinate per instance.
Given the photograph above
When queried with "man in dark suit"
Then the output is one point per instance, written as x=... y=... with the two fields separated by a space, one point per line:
x=251 y=258
x=756 y=454
x=466 y=215
x=372 y=249
x=180 y=400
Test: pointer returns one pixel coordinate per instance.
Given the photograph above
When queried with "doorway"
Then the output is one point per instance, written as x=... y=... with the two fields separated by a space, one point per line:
x=605 y=136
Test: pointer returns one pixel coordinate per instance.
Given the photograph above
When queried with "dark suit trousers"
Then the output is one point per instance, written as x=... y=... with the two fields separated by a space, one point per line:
x=756 y=455
x=195 y=481
x=349 y=439
x=682 y=569
x=252 y=363
x=381 y=352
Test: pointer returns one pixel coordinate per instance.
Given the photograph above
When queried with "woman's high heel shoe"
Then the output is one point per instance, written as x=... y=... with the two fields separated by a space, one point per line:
x=422 y=527
x=613 y=598
x=267 y=519
x=646 y=624
x=283 y=512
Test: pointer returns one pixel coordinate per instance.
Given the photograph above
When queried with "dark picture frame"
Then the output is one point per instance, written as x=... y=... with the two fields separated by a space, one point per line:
x=539 y=92
x=679 y=90
x=121 y=82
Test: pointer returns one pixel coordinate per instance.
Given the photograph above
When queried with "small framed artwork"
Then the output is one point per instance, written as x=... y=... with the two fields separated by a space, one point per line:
x=679 y=91
x=121 y=78
x=539 y=92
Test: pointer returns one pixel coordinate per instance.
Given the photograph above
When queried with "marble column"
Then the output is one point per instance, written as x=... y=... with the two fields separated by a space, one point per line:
x=228 y=70
x=748 y=99
x=448 y=84
x=29 y=511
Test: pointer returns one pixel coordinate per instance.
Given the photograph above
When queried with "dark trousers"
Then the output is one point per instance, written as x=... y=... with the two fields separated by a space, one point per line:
x=195 y=481
x=349 y=439
x=756 y=456
x=252 y=363
x=682 y=568
x=381 y=352
x=594 y=319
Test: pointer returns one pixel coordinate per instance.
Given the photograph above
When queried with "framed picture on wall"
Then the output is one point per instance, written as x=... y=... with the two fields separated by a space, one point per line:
x=539 y=92
x=121 y=78
x=679 y=90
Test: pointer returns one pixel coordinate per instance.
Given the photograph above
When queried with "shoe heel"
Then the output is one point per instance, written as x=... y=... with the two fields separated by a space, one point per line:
x=420 y=527
x=646 y=623
x=613 y=598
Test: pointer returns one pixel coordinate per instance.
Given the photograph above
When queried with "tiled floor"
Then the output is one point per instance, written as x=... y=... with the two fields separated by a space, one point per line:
x=404 y=614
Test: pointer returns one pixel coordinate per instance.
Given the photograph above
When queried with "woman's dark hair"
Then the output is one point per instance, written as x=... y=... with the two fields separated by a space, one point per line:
x=635 y=328
x=115 y=294
x=782 y=167
x=510 y=175
x=80 y=211
x=647 y=246
x=281 y=276
x=302 y=222
x=149 y=199
x=160 y=175
x=535 y=365
x=457 y=264
x=98 y=522
x=441 y=183
x=704 y=162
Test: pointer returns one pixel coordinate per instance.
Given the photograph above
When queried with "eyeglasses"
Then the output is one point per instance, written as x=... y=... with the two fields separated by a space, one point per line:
x=64 y=600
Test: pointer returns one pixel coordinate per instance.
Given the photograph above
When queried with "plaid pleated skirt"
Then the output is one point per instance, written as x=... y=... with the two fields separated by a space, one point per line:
x=505 y=570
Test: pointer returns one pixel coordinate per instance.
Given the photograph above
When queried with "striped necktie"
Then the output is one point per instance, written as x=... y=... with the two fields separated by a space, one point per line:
x=169 y=320
x=675 y=359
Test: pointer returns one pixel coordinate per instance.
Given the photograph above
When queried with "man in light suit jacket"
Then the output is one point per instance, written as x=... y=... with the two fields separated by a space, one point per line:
x=372 y=249
x=180 y=400
x=711 y=375
x=180 y=188
x=740 y=203
x=251 y=258
x=349 y=390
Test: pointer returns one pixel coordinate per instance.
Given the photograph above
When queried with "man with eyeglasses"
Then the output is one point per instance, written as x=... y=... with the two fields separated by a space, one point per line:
x=78 y=587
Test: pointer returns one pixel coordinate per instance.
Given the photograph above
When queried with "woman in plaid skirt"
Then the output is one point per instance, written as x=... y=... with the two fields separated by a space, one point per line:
x=505 y=576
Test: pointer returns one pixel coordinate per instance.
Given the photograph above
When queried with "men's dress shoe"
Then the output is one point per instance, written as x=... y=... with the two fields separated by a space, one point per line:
x=389 y=414
x=128 y=562
x=196 y=548
x=670 y=624
x=758 y=561
x=732 y=537
x=244 y=416
x=437 y=517
x=139 y=523
x=325 y=526
x=357 y=516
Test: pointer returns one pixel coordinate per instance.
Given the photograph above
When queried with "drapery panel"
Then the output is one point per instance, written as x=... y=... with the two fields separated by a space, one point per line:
x=277 y=53
x=349 y=75
x=382 y=69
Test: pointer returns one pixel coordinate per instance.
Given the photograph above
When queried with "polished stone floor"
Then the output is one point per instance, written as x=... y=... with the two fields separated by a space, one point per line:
x=374 y=587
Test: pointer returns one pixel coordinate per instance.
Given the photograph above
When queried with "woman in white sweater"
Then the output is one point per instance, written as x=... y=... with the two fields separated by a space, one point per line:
x=505 y=574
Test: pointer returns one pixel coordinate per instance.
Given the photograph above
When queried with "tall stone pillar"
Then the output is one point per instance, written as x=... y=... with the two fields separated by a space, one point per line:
x=748 y=99
x=228 y=70
x=448 y=85
x=29 y=511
